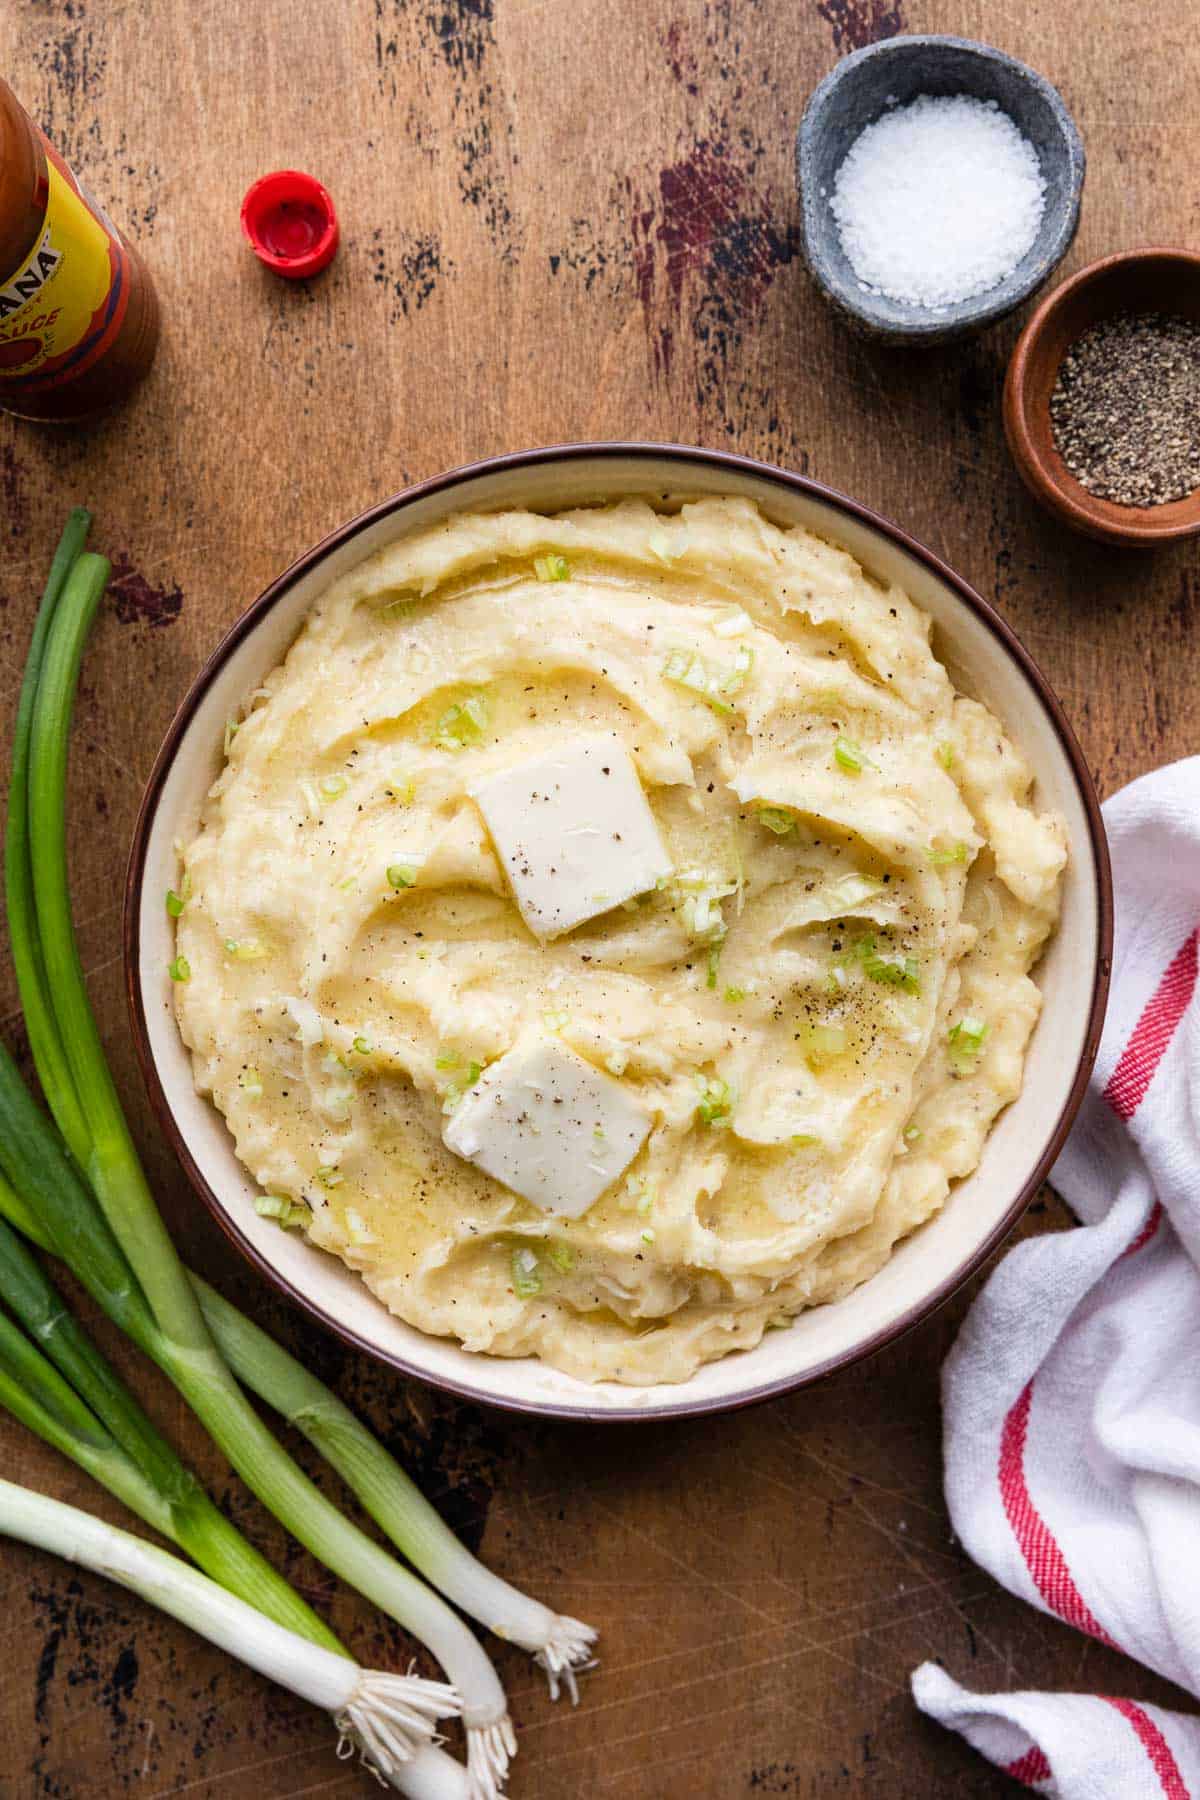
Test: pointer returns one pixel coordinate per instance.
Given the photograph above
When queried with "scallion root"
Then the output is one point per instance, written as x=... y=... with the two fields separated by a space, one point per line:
x=489 y=1751
x=565 y=1654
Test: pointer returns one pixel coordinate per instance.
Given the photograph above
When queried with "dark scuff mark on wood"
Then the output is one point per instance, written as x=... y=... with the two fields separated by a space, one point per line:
x=857 y=23
x=136 y=601
x=461 y=34
x=708 y=228
x=421 y=266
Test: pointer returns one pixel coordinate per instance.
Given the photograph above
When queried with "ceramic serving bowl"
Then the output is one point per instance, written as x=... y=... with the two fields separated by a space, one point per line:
x=892 y=73
x=984 y=658
x=1156 y=279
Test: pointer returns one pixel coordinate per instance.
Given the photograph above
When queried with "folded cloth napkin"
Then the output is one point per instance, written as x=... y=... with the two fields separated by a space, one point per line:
x=1072 y=1396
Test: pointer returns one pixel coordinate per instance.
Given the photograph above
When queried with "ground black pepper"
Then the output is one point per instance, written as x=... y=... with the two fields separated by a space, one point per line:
x=1126 y=408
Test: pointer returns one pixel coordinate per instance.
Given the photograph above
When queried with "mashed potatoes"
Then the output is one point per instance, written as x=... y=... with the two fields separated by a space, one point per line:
x=729 y=1046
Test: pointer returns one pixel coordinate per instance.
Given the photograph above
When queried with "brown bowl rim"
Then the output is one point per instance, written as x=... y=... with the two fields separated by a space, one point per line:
x=532 y=459
x=1053 y=485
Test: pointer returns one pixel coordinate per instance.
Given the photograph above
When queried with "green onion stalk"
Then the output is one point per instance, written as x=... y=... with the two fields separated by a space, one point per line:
x=131 y=1268
x=371 y=1718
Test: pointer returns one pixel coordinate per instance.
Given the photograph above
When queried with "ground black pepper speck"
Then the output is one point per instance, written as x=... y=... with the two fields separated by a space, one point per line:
x=1126 y=408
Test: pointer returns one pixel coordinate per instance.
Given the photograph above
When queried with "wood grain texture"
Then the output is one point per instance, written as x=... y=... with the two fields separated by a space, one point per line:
x=562 y=219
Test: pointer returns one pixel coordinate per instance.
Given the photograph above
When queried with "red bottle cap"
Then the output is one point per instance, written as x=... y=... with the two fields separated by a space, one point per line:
x=289 y=222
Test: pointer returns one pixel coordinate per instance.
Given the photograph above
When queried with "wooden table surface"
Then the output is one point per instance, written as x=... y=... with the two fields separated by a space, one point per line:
x=562 y=219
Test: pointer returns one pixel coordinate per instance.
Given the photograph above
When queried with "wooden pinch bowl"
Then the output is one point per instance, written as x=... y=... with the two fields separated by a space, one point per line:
x=1156 y=279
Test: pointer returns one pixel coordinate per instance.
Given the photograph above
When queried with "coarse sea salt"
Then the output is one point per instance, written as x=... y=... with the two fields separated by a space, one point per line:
x=938 y=201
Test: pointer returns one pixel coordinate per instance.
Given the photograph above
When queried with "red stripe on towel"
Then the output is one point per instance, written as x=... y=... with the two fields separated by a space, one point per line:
x=1030 y=1768
x=1153 y=1032
x=1155 y=1746
x=1044 y=1559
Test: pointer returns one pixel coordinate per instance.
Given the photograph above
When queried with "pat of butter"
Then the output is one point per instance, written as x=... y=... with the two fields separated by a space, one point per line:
x=548 y=1125
x=574 y=833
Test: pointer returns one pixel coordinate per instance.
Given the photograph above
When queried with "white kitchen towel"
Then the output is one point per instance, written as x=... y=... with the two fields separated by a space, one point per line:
x=1072 y=1396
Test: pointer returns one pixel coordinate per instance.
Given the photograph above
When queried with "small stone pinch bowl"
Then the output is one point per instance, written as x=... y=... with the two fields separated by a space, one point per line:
x=857 y=92
x=1156 y=279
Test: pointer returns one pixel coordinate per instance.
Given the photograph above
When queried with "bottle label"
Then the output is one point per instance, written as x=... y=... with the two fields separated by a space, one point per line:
x=61 y=310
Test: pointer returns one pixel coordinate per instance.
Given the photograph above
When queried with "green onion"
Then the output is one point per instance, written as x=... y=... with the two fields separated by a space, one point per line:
x=462 y=724
x=525 y=1277
x=945 y=755
x=912 y=1134
x=648 y=1235
x=400 y=788
x=331 y=786
x=901 y=972
x=776 y=819
x=362 y=1046
x=456 y=1090
x=804 y=1140
x=385 y=1718
x=683 y=668
x=174 y=903
x=734 y=995
x=713 y=961
x=179 y=969
x=848 y=756
x=965 y=1040
x=957 y=853
x=562 y=1256
x=231 y=731
x=404 y=875
x=551 y=568
x=245 y=949
x=329 y=1175
x=448 y=1059
x=715 y=1105
x=125 y=1258
x=291 y=1215
x=562 y=1646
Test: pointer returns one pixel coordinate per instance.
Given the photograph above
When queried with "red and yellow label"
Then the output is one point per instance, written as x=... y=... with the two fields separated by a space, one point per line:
x=63 y=307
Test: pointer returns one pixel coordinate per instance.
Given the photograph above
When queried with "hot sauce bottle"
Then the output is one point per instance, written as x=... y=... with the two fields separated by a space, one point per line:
x=78 y=313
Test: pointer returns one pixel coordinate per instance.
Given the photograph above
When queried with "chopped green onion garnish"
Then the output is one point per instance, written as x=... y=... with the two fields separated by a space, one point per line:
x=776 y=819
x=231 y=731
x=686 y=670
x=966 y=1039
x=945 y=755
x=330 y=1176
x=648 y=1235
x=401 y=788
x=245 y=949
x=957 y=853
x=715 y=1104
x=734 y=994
x=180 y=969
x=288 y=1214
x=362 y=1046
x=901 y=972
x=848 y=756
x=562 y=1256
x=462 y=724
x=403 y=875
x=250 y=1082
x=175 y=903
x=332 y=785
x=714 y=958
x=551 y=568
x=804 y=1140
x=455 y=1091
x=912 y=1134
x=525 y=1278
x=448 y=1059
x=358 y=1229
